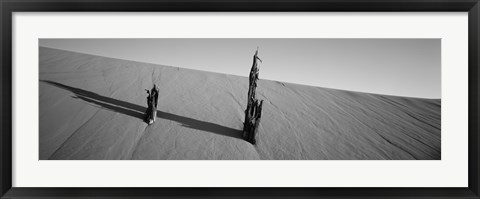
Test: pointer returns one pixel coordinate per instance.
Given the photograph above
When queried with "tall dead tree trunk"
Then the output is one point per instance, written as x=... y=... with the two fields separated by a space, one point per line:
x=254 y=107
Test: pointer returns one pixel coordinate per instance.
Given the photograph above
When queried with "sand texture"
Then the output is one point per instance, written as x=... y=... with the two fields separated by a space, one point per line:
x=92 y=108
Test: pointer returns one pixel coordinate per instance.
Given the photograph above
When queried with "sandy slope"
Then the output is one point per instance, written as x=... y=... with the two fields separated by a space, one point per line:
x=92 y=107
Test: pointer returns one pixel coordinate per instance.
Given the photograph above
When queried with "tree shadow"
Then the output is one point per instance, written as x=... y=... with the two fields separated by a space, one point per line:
x=138 y=111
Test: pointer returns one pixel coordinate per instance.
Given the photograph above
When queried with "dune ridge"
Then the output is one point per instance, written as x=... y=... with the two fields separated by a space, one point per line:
x=91 y=107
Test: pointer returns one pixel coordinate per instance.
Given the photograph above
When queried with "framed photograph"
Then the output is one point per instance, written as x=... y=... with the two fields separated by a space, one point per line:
x=239 y=99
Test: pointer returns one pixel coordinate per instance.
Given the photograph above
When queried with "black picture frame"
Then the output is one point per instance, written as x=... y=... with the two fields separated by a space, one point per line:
x=7 y=7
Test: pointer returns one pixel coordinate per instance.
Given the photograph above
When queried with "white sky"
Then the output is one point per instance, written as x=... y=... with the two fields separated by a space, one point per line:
x=402 y=67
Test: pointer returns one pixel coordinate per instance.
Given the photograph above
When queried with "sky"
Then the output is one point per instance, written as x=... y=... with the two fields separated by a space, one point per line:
x=400 y=67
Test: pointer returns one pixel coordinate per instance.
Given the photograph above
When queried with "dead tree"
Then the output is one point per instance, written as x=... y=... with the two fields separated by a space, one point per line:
x=254 y=107
x=152 y=102
x=149 y=112
x=154 y=93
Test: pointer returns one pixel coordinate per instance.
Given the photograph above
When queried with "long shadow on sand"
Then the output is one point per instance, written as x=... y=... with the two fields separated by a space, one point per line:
x=139 y=111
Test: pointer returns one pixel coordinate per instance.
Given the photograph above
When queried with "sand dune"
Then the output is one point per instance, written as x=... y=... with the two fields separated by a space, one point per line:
x=92 y=107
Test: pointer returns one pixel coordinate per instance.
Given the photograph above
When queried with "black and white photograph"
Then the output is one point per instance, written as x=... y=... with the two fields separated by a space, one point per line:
x=239 y=99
